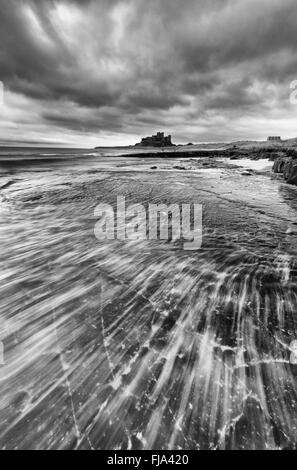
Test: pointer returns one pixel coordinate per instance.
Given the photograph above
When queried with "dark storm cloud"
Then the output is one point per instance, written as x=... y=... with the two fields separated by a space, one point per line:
x=105 y=119
x=119 y=65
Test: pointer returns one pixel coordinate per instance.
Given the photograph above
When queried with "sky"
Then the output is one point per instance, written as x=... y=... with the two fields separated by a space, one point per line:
x=108 y=72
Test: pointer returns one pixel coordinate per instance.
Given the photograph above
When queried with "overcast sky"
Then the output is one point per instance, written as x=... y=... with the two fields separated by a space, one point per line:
x=106 y=72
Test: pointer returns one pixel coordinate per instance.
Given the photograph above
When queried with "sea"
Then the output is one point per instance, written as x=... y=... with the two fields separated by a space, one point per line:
x=140 y=344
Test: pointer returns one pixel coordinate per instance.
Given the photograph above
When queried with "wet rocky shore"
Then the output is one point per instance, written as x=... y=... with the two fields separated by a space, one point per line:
x=140 y=344
x=285 y=160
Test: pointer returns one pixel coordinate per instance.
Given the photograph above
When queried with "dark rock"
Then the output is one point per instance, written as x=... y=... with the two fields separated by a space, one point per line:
x=288 y=167
x=279 y=164
x=176 y=167
x=251 y=430
x=290 y=172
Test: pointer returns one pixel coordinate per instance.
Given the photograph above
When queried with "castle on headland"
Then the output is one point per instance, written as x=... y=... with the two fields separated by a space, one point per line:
x=274 y=139
x=158 y=140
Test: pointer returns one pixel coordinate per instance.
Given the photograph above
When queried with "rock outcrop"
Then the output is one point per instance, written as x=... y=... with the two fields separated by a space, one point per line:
x=288 y=167
x=290 y=172
x=279 y=163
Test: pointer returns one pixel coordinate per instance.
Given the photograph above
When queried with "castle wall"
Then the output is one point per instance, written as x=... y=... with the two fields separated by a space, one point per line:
x=158 y=140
